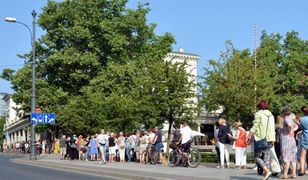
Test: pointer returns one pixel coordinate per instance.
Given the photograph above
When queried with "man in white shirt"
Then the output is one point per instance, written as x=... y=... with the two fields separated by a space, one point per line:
x=186 y=137
x=101 y=138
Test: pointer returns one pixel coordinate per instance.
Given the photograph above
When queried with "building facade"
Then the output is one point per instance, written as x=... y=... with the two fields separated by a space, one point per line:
x=2 y=105
x=15 y=128
x=191 y=61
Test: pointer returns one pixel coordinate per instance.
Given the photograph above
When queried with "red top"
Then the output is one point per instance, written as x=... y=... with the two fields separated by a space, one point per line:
x=240 y=142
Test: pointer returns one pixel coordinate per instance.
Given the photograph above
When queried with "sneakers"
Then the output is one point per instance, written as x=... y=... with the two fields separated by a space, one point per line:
x=102 y=162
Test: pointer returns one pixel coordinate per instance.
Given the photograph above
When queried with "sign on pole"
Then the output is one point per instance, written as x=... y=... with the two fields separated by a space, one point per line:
x=43 y=118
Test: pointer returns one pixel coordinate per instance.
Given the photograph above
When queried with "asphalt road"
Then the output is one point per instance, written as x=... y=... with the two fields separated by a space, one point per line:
x=13 y=171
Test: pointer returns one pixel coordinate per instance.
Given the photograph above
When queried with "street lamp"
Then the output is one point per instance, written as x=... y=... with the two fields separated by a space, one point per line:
x=33 y=97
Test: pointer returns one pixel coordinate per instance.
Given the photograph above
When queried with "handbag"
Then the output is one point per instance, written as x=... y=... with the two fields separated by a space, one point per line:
x=262 y=144
x=248 y=139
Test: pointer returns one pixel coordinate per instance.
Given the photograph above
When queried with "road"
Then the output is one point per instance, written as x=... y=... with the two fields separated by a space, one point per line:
x=13 y=171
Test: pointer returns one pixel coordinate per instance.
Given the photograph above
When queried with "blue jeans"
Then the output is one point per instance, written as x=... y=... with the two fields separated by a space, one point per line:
x=127 y=151
x=87 y=152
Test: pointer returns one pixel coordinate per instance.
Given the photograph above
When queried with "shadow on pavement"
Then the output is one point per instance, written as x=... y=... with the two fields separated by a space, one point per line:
x=241 y=178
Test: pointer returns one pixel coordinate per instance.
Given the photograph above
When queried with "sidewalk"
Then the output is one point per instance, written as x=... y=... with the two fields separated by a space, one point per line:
x=138 y=171
x=141 y=171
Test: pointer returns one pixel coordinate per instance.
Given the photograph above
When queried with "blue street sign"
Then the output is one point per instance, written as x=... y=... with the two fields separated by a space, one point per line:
x=43 y=118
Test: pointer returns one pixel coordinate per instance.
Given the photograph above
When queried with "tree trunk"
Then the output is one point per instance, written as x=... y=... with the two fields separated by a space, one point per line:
x=169 y=134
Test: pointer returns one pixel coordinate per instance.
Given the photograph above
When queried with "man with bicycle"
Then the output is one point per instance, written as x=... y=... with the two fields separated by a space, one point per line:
x=185 y=139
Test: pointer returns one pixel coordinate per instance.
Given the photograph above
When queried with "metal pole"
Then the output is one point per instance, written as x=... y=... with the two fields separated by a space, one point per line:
x=33 y=96
x=255 y=66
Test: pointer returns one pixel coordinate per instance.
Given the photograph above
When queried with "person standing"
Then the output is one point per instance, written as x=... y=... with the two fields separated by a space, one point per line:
x=87 y=147
x=43 y=147
x=263 y=128
x=57 y=147
x=102 y=145
x=137 y=147
x=185 y=140
x=63 y=146
x=143 y=144
x=240 y=146
x=175 y=136
x=158 y=144
x=121 y=144
x=224 y=141
x=74 y=148
x=304 y=140
x=81 y=147
x=288 y=144
x=93 y=147
x=112 y=148
x=215 y=142
x=128 y=147
x=132 y=139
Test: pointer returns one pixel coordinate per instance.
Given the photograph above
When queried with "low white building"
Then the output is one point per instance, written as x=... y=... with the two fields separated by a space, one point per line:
x=15 y=128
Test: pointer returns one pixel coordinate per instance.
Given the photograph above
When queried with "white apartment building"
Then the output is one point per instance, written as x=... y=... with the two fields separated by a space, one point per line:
x=191 y=68
x=15 y=129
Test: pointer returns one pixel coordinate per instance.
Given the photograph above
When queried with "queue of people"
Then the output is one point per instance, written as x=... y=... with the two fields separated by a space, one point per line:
x=285 y=142
x=109 y=146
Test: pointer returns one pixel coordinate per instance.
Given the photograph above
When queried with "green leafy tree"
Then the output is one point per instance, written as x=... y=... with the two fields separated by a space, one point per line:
x=2 y=122
x=229 y=82
x=100 y=64
x=280 y=77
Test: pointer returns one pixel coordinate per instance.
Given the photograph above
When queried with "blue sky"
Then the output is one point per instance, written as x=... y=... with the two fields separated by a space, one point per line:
x=199 y=26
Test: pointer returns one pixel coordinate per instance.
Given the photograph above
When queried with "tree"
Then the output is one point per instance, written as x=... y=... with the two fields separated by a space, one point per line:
x=281 y=77
x=2 y=122
x=100 y=64
x=229 y=83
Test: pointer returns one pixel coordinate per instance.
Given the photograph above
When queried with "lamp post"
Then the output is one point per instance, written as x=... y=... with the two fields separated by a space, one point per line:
x=33 y=96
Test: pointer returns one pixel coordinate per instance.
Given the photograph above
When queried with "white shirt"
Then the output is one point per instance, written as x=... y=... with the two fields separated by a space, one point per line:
x=101 y=139
x=106 y=138
x=186 y=134
x=151 y=137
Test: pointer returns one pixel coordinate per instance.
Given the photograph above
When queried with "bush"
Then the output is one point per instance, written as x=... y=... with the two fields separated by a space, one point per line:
x=212 y=158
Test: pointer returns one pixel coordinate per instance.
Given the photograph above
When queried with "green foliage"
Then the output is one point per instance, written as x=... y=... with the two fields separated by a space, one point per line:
x=100 y=64
x=281 y=77
x=2 y=122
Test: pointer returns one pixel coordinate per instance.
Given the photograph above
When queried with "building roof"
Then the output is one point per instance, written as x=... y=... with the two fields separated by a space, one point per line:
x=184 y=53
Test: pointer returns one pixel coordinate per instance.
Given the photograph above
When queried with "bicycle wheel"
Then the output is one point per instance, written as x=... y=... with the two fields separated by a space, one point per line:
x=174 y=158
x=145 y=157
x=194 y=158
x=154 y=158
x=259 y=170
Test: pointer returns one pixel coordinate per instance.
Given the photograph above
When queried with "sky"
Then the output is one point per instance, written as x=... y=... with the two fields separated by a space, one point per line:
x=199 y=26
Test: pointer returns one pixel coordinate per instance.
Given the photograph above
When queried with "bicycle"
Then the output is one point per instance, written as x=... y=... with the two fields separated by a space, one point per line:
x=176 y=157
x=150 y=155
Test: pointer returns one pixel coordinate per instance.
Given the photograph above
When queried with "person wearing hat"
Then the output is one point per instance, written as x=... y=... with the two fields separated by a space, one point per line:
x=240 y=146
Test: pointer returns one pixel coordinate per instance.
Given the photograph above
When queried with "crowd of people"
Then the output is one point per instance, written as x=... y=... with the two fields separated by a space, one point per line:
x=284 y=142
x=109 y=146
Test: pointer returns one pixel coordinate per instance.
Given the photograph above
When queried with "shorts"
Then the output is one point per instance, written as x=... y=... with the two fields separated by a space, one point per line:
x=102 y=148
x=112 y=150
x=159 y=147
x=186 y=146
x=62 y=150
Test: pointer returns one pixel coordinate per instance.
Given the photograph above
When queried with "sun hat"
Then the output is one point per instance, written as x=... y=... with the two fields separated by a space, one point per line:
x=237 y=124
